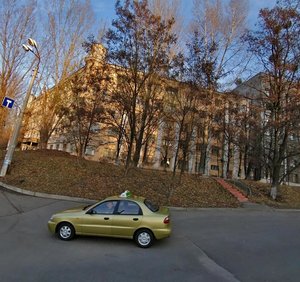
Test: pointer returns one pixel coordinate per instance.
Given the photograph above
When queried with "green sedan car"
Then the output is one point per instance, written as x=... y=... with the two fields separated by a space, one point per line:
x=123 y=216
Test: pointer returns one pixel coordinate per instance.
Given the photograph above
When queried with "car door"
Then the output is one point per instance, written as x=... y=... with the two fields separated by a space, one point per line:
x=98 y=220
x=127 y=219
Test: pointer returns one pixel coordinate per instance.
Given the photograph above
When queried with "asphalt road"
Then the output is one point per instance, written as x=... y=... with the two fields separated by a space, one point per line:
x=206 y=245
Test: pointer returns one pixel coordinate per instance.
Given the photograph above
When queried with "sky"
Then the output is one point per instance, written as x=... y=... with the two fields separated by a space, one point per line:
x=104 y=9
x=105 y=12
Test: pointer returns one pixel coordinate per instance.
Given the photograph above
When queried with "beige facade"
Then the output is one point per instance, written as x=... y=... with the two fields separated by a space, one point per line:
x=159 y=151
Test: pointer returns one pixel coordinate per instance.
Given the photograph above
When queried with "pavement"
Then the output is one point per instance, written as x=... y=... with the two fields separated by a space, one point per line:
x=253 y=243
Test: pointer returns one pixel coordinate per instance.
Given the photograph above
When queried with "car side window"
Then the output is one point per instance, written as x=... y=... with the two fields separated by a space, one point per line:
x=129 y=208
x=107 y=207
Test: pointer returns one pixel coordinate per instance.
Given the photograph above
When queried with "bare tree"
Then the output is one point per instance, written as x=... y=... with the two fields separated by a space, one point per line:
x=186 y=116
x=168 y=9
x=276 y=46
x=65 y=25
x=220 y=26
x=214 y=52
x=85 y=113
x=139 y=43
x=231 y=114
x=16 y=26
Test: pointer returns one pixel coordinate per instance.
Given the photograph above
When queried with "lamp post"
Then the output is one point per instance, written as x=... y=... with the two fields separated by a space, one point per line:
x=31 y=47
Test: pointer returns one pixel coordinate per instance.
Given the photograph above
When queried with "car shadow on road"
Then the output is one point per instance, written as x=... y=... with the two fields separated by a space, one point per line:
x=95 y=241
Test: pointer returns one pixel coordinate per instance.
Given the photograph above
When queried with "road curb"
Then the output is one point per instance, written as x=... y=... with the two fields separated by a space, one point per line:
x=44 y=195
x=89 y=201
x=84 y=200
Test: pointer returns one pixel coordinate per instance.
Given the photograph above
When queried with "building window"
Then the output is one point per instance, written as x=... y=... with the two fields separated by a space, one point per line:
x=170 y=100
x=214 y=167
x=172 y=91
x=90 y=151
x=218 y=102
x=201 y=147
x=95 y=128
x=296 y=178
x=113 y=131
x=215 y=150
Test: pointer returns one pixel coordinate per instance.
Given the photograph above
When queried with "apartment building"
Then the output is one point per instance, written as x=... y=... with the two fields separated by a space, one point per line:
x=257 y=90
x=197 y=147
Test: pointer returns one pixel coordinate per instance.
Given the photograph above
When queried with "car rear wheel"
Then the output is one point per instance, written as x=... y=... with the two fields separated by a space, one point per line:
x=66 y=231
x=144 y=238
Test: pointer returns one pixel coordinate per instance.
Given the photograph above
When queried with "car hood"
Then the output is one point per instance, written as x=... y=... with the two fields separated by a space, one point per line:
x=73 y=210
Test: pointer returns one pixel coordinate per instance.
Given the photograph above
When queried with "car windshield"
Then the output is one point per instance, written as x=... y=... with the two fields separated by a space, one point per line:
x=151 y=206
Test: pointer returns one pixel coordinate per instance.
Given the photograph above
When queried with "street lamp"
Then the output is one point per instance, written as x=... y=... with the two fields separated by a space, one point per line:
x=31 y=47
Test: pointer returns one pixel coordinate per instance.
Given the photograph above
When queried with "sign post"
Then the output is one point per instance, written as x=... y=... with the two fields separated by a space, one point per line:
x=9 y=103
x=14 y=138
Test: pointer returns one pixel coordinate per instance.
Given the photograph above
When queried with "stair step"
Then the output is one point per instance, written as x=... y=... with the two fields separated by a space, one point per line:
x=236 y=193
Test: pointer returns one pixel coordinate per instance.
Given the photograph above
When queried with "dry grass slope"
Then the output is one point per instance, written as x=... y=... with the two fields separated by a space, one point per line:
x=59 y=173
x=288 y=197
x=56 y=172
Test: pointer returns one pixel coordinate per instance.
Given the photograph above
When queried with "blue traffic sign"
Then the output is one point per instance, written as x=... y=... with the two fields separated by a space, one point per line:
x=8 y=102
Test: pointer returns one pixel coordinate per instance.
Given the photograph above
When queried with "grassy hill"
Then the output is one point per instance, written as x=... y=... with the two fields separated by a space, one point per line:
x=56 y=172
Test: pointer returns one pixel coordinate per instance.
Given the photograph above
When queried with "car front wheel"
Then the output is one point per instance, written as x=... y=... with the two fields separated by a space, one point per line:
x=144 y=238
x=66 y=231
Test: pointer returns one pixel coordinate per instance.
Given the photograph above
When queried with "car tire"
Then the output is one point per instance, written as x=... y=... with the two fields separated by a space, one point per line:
x=65 y=231
x=144 y=238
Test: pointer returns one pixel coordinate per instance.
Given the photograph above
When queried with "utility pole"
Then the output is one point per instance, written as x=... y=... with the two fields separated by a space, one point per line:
x=18 y=123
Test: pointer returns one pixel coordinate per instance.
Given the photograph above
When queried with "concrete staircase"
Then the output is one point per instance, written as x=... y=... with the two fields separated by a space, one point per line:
x=231 y=189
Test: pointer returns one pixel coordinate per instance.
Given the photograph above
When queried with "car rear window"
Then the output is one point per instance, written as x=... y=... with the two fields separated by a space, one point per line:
x=151 y=206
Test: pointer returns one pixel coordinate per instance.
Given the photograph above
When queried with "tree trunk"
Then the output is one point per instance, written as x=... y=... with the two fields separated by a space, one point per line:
x=273 y=192
x=138 y=148
x=117 y=158
x=128 y=159
x=44 y=136
x=192 y=151
x=145 y=155
x=207 y=154
x=139 y=142
x=202 y=158
x=236 y=162
x=158 y=147
x=275 y=182
x=132 y=123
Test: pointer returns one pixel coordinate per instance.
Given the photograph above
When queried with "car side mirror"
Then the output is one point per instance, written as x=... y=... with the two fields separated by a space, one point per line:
x=91 y=211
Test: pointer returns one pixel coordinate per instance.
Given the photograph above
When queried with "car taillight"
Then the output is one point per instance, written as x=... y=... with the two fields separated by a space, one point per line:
x=167 y=220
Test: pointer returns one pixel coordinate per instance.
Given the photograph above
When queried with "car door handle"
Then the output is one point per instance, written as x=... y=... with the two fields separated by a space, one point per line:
x=135 y=219
x=106 y=218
